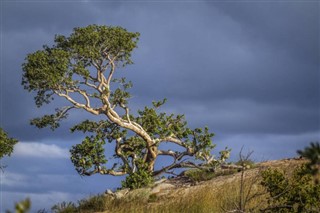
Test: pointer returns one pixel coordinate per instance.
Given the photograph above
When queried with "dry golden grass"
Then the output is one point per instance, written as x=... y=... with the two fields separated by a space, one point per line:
x=201 y=199
x=221 y=194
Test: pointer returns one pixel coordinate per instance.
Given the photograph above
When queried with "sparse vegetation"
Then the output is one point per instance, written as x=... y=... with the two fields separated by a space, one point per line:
x=197 y=175
x=253 y=190
x=64 y=207
x=90 y=205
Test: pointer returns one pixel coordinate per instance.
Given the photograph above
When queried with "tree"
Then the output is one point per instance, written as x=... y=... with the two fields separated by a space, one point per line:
x=312 y=153
x=81 y=69
x=6 y=144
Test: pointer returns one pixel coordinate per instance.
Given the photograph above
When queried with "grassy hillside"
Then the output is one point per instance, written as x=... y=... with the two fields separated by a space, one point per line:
x=229 y=191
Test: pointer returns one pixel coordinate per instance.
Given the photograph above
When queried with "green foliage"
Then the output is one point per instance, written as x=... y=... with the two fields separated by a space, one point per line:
x=138 y=179
x=313 y=154
x=88 y=154
x=51 y=120
x=6 y=144
x=297 y=193
x=22 y=206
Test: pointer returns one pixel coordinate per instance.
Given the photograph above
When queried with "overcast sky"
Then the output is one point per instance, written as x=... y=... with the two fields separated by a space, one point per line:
x=249 y=70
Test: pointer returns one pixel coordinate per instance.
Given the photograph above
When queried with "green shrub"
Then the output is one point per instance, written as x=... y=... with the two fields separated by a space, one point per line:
x=92 y=204
x=297 y=193
x=137 y=180
x=64 y=207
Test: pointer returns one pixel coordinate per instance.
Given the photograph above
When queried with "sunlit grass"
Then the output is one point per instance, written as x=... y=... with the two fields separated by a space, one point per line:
x=220 y=194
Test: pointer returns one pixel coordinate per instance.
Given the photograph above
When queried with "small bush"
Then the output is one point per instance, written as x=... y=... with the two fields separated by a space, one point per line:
x=297 y=193
x=92 y=204
x=137 y=180
x=64 y=207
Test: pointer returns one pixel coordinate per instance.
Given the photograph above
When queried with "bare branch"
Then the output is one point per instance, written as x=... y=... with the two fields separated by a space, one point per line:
x=179 y=165
x=113 y=67
x=63 y=112
x=118 y=150
x=127 y=112
x=174 y=140
x=90 y=85
x=169 y=153
x=78 y=105
x=104 y=172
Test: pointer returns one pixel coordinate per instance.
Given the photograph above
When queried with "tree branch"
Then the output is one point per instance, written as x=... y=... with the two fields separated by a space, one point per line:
x=104 y=172
x=177 y=165
x=173 y=140
x=118 y=150
x=78 y=105
x=127 y=112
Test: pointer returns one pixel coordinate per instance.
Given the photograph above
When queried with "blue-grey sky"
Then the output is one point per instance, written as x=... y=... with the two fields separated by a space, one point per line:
x=249 y=70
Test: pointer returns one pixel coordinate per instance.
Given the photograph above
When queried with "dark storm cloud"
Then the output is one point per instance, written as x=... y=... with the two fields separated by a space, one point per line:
x=206 y=55
x=219 y=58
x=47 y=16
x=292 y=26
x=217 y=55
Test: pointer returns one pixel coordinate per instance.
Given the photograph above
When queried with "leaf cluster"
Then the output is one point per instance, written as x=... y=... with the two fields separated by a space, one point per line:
x=120 y=96
x=139 y=179
x=51 y=120
x=6 y=144
x=88 y=154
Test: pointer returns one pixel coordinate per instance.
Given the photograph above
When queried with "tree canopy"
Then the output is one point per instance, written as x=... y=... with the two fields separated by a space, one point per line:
x=80 y=68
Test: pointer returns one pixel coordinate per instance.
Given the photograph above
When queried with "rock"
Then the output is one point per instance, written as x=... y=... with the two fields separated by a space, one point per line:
x=109 y=192
x=161 y=187
x=160 y=181
x=121 y=193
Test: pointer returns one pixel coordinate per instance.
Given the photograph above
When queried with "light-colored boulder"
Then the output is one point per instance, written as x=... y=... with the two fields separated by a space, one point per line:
x=161 y=187
x=121 y=193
